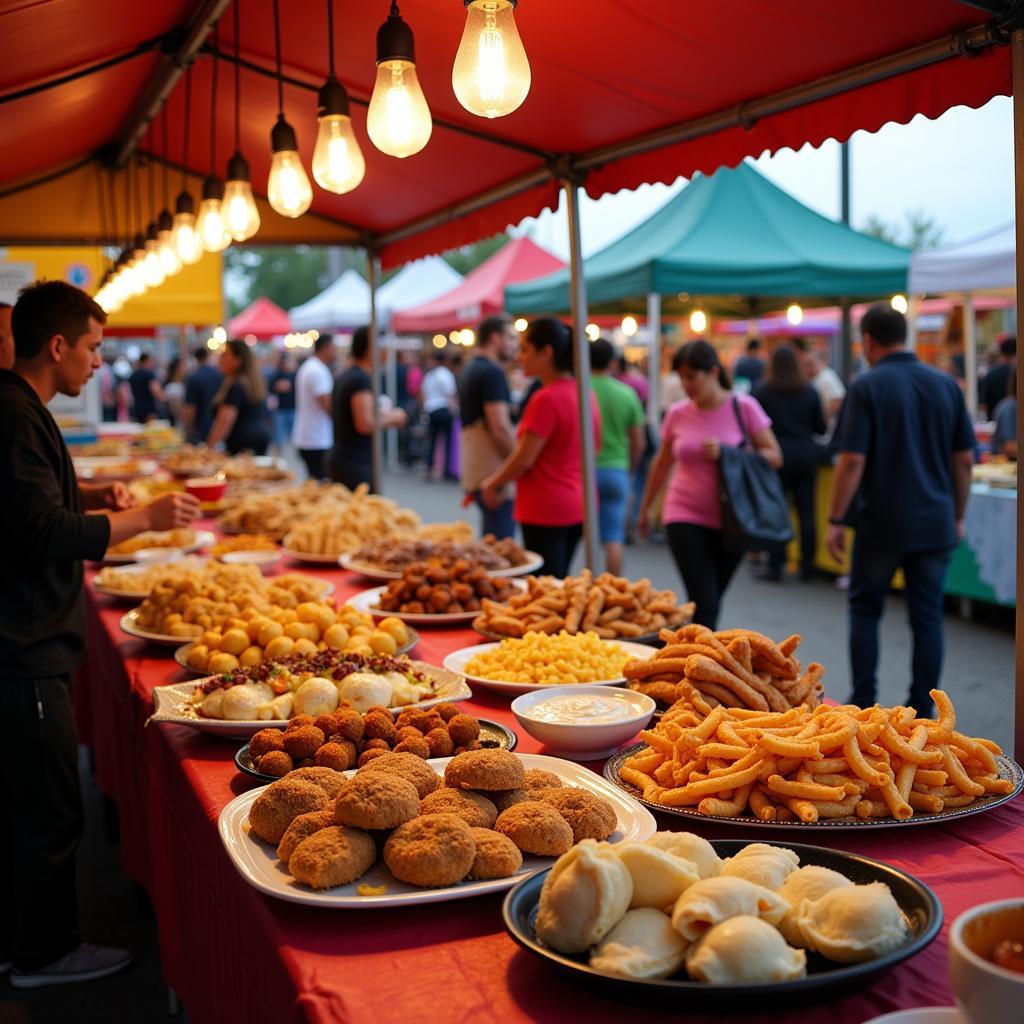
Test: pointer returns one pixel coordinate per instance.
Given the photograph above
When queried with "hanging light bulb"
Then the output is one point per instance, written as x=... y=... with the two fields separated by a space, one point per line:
x=210 y=222
x=398 y=120
x=491 y=74
x=698 y=321
x=238 y=208
x=139 y=265
x=184 y=237
x=152 y=268
x=338 y=164
x=899 y=303
x=288 y=189
x=795 y=313
x=169 y=259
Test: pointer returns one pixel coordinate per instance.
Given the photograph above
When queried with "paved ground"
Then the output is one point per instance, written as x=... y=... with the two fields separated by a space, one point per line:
x=979 y=674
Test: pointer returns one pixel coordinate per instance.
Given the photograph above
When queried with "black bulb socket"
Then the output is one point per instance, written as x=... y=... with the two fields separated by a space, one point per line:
x=514 y=3
x=282 y=137
x=151 y=231
x=238 y=168
x=184 y=204
x=165 y=222
x=139 y=245
x=395 y=41
x=333 y=99
x=213 y=188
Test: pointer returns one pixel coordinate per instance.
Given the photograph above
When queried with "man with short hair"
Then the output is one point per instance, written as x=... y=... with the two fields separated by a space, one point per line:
x=147 y=395
x=825 y=381
x=313 y=432
x=995 y=386
x=903 y=478
x=6 y=337
x=750 y=366
x=58 y=331
x=485 y=405
x=439 y=394
x=201 y=387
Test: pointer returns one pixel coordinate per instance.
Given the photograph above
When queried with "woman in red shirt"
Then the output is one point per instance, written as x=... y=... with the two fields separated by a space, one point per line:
x=546 y=460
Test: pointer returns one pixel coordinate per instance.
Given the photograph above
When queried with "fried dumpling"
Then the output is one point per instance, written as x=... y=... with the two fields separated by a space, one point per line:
x=808 y=883
x=852 y=923
x=693 y=848
x=762 y=864
x=658 y=876
x=713 y=900
x=744 y=951
x=585 y=895
x=642 y=945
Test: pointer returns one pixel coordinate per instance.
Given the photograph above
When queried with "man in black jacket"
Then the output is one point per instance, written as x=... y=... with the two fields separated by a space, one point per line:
x=49 y=524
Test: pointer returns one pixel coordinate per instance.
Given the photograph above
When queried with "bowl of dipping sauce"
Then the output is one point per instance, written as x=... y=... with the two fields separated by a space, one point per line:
x=583 y=723
x=986 y=962
x=206 y=488
x=264 y=559
x=157 y=556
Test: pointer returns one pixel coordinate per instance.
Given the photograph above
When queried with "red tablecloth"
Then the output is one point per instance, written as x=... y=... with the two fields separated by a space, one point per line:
x=233 y=954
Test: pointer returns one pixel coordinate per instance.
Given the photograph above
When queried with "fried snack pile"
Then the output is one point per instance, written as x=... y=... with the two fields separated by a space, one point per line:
x=475 y=823
x=392 y=555
x=244 y=542
x=607 y=605
x=194 y=460
x=540 y=659
x=436 y=588
x=180 y=538
x=275 y=512
x=345 y=739
x=457 y=532
x=140 y=580
x=803 y=765
x=350 y=524
x=735 y=667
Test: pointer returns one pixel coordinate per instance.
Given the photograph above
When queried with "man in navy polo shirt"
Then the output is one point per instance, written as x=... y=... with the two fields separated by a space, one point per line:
x=904 y=474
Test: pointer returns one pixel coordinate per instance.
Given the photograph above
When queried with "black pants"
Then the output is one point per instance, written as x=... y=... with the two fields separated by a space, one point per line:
x=41 y=821
x=555 y=544
x=440 y=429
x=799 y=483
x=706 y=566
x=351 y=473
x=314 y=460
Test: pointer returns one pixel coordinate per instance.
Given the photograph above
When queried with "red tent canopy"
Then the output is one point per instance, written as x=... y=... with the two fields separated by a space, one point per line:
x=482 y=292
x=623 y=93
x=263 y=319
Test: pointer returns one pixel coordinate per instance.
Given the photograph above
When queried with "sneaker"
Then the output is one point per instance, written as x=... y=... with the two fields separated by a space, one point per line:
x=85 y=963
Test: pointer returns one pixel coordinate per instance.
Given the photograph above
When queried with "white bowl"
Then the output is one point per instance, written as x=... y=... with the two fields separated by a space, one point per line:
x=986 y=993
x=264 y=559
x=579 y=739
x=156 y=556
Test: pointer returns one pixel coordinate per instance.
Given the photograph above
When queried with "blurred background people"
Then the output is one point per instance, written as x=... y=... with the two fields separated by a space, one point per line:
x=749 y=368
x=826 y=382
x=1004 y=437
x=439 y=395
x=313 y=430
x=201 y=387
x=174 y=389
x=995 y=386
x=241 y=420
x=6 y=337
x=282 y=394
x=147 y=395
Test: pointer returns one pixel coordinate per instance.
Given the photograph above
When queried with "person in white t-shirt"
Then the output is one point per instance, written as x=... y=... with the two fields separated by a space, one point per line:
x=313 y=433
x=439 y=393
x=826 y=382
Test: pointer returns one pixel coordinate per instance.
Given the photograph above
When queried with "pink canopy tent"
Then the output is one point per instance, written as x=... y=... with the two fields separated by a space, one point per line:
x=482 y=293
x=263 y=319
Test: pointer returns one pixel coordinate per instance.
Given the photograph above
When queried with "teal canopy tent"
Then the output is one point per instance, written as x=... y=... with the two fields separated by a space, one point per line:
x=735 y=235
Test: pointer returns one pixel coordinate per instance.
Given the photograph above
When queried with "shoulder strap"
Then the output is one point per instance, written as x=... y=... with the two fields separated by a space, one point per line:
x=739 y=419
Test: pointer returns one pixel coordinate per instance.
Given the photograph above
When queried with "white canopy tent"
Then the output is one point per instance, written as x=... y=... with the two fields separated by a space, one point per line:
x=345 y=304
x=985 y=263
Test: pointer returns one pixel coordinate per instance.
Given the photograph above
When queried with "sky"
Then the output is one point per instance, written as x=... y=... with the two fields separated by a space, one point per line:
x=957 y=169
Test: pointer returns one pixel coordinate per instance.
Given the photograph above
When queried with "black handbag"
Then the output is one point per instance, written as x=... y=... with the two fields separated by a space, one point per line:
x=755 y=513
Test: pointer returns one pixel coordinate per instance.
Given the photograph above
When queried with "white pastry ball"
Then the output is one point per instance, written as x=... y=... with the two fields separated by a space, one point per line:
x=658 y=876
x=242 y=703
x=212 y=705
x=763 y=865
x=690 y=847
x=811 y=883
x=585 y=895
x=713 y=900
x=316 y=696
x=744 y=951
x=852 y=924
x=642 y=945
x=362 y=690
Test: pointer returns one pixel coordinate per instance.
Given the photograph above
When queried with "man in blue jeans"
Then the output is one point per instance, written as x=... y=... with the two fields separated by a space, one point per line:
x=904 y=475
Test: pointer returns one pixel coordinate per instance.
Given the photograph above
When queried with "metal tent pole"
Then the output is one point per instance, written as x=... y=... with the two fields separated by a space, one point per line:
x=374 y=275
x=654 y=361
x=1017 y=57
x=913 y=312
x=970 y=356
x=391 y=378
x=581 y=361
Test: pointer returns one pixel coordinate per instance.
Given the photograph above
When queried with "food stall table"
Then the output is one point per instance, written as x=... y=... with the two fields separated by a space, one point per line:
x=232 y=953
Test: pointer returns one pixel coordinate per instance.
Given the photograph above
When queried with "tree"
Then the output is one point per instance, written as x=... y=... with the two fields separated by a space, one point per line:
x=920 y=231
x=285 y=275
x=469 y=257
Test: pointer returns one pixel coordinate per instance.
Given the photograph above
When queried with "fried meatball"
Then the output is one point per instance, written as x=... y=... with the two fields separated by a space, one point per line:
x=509 y=798
x=536 y=828
x=496 y=855
x=302 y=828
x=537 y=778
x=447 y=711
x=275 y=762
x=475 y=745
x=368 y=755
x=379 y=726
x=303 y=742
x=417 y=746
x=298 y=722
x=472 y=808
x=588 y=815
x=264 y=741
x=306 y=762
x=326 y=778
x=432 y=850
x=408 y=766
x=349 y=723
x=333 y=856
x=376 y=745
x=440 y=743
x=463 y=729
x=484 y=769
x=337 y=756
x=376 y=800
x=407 y=732
x=281 y=803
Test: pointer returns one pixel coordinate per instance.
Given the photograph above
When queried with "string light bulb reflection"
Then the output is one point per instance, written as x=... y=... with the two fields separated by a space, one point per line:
x=491 y=74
